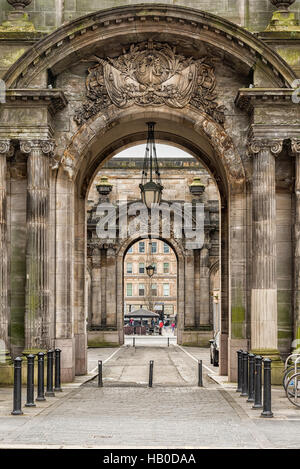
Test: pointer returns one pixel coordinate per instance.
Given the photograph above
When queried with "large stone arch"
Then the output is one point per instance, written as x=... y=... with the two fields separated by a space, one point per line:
x=83 y=149
x=129 y=23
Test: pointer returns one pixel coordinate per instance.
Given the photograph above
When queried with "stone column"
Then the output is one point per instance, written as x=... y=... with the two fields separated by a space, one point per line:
x=6 y=150
x=96 y=288
x=296 y=152
x=264 y=282
x=111 y=283
x=204 y=286
x=37 y=321
x=189 y=319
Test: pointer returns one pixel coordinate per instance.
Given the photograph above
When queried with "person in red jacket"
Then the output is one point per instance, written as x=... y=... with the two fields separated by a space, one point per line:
x=161 y=325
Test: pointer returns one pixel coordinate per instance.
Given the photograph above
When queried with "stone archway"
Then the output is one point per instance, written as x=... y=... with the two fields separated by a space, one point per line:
x=54 y=304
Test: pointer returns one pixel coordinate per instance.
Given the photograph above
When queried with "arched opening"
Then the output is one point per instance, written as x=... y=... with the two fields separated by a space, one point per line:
x=114 y=278
x=153 y=295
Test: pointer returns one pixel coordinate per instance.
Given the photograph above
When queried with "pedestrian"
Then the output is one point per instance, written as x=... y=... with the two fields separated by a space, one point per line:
x=161 y=325
x=173 y=327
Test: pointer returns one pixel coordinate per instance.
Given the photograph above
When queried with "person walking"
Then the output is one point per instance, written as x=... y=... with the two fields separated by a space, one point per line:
x=173 y=327
x=161 y=325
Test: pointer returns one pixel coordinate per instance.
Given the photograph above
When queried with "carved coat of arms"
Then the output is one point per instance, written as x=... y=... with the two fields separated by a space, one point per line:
x=150 y=73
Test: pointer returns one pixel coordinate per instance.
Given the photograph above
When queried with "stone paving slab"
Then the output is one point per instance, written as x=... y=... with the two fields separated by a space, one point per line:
x=165 y=416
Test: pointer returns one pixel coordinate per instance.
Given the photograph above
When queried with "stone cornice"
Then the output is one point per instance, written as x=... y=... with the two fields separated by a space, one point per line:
x=248 y=98
x=53 y=98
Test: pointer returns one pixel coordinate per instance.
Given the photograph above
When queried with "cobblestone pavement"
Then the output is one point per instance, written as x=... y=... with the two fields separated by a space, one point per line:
x=175 y=413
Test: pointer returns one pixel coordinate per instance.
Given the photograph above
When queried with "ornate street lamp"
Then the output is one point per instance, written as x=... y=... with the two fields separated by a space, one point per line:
x=151 y=188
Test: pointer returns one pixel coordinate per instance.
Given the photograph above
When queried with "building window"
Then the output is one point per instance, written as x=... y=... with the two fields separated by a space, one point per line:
x=129 y=289
x=141 y=289
x=154 y=289
x=141 y=268
x=154 y=247
x=142 y=247
x=166 y=289
x=166 y=268
x=166 y=248
x=129 y=268
x=130 y=250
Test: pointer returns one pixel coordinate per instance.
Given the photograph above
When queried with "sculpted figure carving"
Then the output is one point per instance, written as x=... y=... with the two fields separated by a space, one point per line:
x=151 y=74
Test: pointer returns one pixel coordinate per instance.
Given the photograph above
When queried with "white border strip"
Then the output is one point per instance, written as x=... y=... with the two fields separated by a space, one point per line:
x=196 y=359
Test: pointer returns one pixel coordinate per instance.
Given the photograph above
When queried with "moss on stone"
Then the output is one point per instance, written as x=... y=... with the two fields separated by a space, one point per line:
x=21 y=24
x=98 y=344
x=7 y=60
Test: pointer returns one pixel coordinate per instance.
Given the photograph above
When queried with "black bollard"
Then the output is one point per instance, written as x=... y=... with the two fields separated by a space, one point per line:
x=17 y=410
x=133 y=342
x=41 y=371
x=245 y=375
x=151 y=373
x=251 y=377
x=57 y=385
x=100 y=381
x=168 y=341
x=49 y=391
x=267 y=412
x=30 y=381
x=257 y=383
x=200 y=381
x=239 y=370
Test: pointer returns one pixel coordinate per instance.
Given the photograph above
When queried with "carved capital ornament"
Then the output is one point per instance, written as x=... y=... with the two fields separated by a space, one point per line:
x=6 y=148
x=45 y=146
x=257 y=145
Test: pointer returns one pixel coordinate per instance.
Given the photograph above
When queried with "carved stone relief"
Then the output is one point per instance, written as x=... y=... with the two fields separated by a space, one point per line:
x=151 y=73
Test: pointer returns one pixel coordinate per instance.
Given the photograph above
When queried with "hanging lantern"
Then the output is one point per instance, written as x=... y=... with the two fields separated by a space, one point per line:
x=151 y=188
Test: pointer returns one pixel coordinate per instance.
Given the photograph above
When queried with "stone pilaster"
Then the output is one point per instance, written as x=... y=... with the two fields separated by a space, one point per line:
x=111 y=283
x=264 y=282
x=6 y=150
x=296 y=153
x=37 y=321
x=96 y=288
x=204 y=286
x=189 y=318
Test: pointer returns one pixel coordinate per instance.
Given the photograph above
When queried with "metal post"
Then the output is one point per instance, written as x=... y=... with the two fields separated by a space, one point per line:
x=57 y=386
x=168 y=341
x=30 y=381
x=41 y=371
x=17 y=410
x=239 y=370
x=100 y=381
x=257 y=383
x=200 y=381
x=151 y=373
x=133 y=341
x=251 y=377
x=267 y=412
x=49 y=391
x=245 y=375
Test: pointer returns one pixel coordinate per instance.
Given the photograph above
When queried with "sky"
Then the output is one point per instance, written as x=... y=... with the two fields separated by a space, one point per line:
x=163 y=151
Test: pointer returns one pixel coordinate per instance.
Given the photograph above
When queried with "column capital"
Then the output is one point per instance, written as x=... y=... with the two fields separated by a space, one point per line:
x=45 y=146
x=256 y=145
x=295 y=146
x=6 y=148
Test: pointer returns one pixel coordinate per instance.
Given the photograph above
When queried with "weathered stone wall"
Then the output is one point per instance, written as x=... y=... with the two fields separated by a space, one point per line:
x=48 y=15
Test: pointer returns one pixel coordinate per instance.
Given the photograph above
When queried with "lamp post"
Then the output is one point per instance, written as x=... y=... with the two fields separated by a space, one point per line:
x=151 y=188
